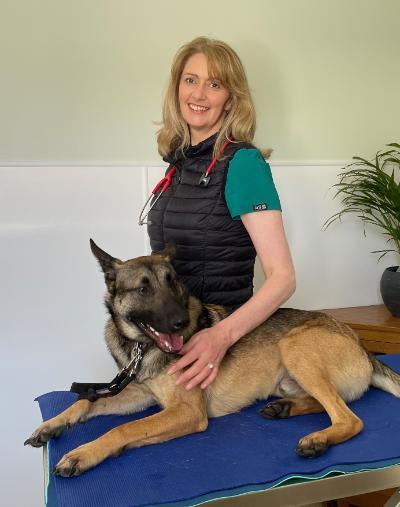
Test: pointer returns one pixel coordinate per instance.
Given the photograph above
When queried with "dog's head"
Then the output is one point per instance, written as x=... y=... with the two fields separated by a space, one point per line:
x=145 y=298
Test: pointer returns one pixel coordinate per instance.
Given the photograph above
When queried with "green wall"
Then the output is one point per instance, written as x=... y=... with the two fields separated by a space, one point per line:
x=82 y=80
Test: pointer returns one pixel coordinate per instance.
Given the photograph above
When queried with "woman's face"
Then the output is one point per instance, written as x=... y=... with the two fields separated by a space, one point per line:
x=203 y=101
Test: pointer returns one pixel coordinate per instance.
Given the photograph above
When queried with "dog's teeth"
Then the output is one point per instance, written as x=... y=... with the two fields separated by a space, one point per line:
x=156 y=333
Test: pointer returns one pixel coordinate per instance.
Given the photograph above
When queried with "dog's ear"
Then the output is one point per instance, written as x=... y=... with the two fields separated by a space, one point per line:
x=169 y=251
x=108 y=264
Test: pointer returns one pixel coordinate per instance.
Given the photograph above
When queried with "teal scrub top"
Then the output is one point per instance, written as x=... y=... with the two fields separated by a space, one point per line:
x=249 y=185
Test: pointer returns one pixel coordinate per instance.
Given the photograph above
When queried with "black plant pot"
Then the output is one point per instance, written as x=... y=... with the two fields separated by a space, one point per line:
x=390 y=290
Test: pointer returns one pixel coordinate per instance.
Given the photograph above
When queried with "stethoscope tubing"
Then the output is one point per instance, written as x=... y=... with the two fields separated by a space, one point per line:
x=165 y=182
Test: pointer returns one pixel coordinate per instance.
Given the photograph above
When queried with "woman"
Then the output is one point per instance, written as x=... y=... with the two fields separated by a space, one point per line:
x=222 y=207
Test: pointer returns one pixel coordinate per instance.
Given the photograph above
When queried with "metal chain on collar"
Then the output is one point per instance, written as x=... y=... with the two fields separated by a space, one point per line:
x=128 y=373
x=137 y=356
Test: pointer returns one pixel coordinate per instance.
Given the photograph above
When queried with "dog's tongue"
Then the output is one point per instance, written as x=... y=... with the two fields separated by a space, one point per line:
x=170 y=342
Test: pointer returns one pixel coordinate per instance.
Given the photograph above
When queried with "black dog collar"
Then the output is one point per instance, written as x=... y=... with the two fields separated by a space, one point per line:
x=94 y=391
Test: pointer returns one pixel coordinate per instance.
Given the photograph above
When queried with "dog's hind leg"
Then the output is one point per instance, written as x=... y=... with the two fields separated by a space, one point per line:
x=345 y=424
x=289 y=407
x=132 y=399
x=313 y=376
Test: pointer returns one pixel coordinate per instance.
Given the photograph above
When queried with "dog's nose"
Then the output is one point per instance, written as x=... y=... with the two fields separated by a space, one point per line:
x=180 y=324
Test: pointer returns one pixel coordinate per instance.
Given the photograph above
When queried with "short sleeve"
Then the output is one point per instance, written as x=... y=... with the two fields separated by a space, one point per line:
x=249 y=184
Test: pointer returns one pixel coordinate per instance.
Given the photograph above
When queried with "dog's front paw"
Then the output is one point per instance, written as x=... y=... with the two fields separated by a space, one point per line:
x=73 y=463
x=78 y=461
x=44 y=433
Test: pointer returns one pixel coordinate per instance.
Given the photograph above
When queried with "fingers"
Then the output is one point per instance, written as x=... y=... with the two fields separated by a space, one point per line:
x=189 y=375
x=211 y=377
x=187 y=347
x=182 y=363
x=189 y=356
x=197 y=373
x=201 y=351
x=197 y=376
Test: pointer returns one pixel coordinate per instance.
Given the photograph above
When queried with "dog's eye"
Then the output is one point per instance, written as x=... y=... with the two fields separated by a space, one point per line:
x=141 y=290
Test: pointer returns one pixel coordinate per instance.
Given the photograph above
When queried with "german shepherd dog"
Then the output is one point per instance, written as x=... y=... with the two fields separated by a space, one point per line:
x=308 y=359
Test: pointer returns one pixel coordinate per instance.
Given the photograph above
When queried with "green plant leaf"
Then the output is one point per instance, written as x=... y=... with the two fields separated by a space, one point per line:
x=364 y=161
x=371 y=191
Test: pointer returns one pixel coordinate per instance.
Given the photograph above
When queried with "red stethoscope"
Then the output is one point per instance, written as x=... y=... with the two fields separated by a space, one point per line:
x=163 y=184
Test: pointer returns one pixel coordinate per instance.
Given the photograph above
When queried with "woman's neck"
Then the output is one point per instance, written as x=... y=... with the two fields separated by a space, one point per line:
x=198 y=137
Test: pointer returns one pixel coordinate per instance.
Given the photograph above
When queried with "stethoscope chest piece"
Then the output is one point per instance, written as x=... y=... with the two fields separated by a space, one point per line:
x=204 y=180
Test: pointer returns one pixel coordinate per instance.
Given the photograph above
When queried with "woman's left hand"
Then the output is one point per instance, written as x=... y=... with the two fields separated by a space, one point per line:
x=204 y=352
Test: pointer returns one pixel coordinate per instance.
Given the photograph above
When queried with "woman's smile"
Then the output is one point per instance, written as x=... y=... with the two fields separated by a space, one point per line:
x=197 y=108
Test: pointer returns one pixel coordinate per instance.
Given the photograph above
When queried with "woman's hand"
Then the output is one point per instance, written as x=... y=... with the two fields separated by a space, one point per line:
x=204 y=352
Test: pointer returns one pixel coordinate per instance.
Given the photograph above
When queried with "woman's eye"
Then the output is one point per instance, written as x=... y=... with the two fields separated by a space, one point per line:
x=189 y=80
x=215 y=84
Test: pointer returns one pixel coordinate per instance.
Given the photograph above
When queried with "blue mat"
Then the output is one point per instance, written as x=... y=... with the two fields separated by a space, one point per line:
x=238 y=453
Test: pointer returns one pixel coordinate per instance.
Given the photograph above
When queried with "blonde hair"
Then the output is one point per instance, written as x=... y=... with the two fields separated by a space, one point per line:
x=224 y=65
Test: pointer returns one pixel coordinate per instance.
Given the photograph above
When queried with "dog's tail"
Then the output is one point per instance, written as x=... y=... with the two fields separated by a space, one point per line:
x=383 y=377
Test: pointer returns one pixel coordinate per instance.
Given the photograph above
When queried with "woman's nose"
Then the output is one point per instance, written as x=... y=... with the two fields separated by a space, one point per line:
x=200 y=92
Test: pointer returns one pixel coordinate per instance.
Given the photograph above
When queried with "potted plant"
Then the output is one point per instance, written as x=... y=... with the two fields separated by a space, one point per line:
x=371 y=190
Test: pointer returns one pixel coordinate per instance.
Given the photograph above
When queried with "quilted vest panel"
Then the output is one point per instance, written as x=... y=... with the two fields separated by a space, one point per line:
x=214 y=254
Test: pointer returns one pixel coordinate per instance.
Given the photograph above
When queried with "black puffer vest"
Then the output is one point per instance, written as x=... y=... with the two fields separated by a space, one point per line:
x=214 y=254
